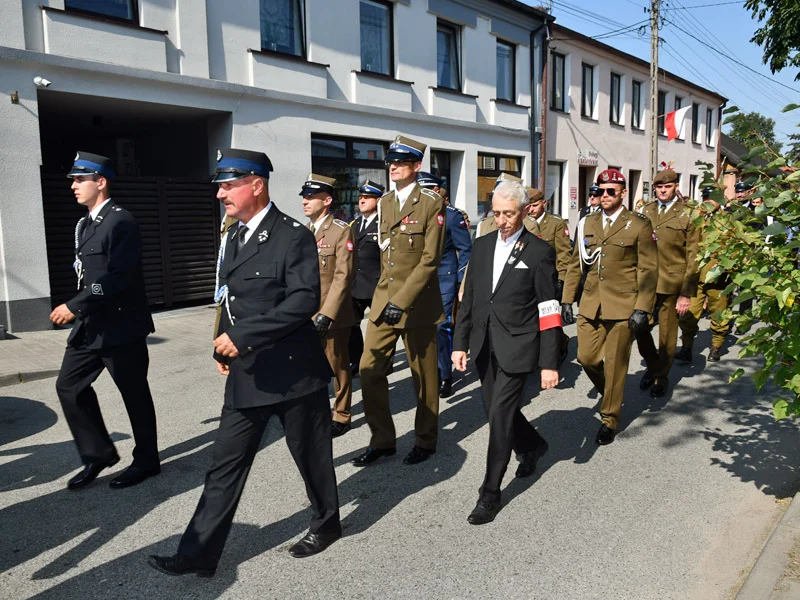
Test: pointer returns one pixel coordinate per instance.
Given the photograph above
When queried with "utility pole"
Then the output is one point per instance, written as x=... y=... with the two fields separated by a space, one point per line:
x=654 y=17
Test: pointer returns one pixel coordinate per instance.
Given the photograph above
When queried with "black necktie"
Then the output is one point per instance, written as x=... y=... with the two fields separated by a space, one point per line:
x=86 y=226
x=239 y=240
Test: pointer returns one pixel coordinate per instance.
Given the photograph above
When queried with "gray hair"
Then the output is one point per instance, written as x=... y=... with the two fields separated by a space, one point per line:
x=511 y=190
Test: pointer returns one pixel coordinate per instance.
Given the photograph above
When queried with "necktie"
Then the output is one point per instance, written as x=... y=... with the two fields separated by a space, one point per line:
x=608 y=225
x=662 y=208
x=240 y=240
x=86 y=226
x=363 y=224
x=313 y=229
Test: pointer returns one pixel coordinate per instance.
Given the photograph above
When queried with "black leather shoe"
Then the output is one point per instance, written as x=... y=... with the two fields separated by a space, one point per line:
x=90 y=473
x=338 y=429
x=484 y=512
x=659 y=387
x=446 y=388
x=684 y=355
x=713 y=354
x=528 y=460
x=647 y=381
x=605 y=435
x=131 y=476
x=179 y=565
x=370 y=455
x=313 y=543
x=417 y=455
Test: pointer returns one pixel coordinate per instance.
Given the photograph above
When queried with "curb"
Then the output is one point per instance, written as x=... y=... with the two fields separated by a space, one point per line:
x=15 y=378
x=768 y=570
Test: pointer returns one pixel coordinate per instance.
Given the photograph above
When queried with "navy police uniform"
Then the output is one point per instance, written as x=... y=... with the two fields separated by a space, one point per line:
x=112 y=322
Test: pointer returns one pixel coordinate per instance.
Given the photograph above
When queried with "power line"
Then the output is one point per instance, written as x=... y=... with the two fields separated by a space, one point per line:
x=616 y=32
x=707 y=5
x=689 y=67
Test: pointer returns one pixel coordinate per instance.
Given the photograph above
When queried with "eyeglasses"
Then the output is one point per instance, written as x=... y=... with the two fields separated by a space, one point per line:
x=610 y=191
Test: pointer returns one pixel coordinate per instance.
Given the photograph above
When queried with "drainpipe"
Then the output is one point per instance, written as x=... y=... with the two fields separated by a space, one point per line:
x=536 y=118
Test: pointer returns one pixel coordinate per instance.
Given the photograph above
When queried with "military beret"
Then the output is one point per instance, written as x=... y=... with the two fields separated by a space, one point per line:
x=91 y=164
x=611 y=176
x=743 y=186
x=665 y=176
x=404 y=149
x=534 y=195
x=235 y=164
x=428 y=180
x=370 y=188
x=507 y=177
x=317 y=183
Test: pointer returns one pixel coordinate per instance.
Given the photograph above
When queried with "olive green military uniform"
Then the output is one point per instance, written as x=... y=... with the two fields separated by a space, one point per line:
x=336 y=273
x=624 y=280
x=412 y=240
x=677 y=240
x=554 y=231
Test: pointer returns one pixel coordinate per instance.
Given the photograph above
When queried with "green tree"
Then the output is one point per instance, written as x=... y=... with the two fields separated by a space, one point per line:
x=753 y=129
x=793 y=150
x=779 y=34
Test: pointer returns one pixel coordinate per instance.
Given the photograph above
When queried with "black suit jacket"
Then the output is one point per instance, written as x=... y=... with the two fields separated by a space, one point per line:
x=274 y=290
x=111 y=308
x=509 y=316
x=368 y=259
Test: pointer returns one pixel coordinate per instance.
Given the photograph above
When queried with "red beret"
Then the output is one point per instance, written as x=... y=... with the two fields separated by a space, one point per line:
x=611 y=176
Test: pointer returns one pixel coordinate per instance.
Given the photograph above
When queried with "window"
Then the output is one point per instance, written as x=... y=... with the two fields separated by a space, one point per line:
x=506 y=71
x=662 y=109
x=678 y=102
x=490 y=166
x=587 y=98
x=120 y=9
x=636 y=105
x=350 y=162
x=282 y=26
x=709 y=127
x=615 y=109
x=376 y=37
x=553 y=186
x=695 y=122
x=693 y=187
x=448 y=70
x=440 y=166
x=558 y=92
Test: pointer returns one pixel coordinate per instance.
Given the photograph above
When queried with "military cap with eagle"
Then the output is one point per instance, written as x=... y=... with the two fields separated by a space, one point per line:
x=428 y=180
x=370 y=188
x=743 y=186
x=90 y=164
x=665 y=176
x=534 y=195
x=317 y=183
x=233 y=164
x=611 y=176
x=404 y=149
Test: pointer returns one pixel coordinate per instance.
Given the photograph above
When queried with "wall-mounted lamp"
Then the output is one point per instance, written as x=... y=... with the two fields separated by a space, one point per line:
x=40 y=81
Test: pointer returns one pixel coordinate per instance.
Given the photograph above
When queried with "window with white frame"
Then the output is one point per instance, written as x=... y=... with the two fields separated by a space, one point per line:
x=615 y=106
x=558 y=89
x=710 y=127
x=588 y=90
x=376 y=37
x=506 y=71
x=282 y=26
x=448 y=70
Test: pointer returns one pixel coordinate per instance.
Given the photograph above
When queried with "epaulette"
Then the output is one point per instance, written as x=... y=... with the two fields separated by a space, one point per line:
x=448 y=207
x=638 y=214
x=341 y=224
x=431 y=193
x=287 y=220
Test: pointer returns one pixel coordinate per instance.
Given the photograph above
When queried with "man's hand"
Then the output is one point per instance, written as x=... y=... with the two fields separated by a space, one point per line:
x=223 y=368
x=460 y=294
x=392 y=314
x=682 y=305
x=639 y=321
x=224 y=346
x=322 y=324
x=567 y=317
x=459 y=359
x=61 y=315
x=549 y=378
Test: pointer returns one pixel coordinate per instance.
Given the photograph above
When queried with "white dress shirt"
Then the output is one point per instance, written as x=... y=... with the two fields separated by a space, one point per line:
x=96 y=210
x=612 y=217
x=318 y=223
x=253 y=223
x=402 y=195
x=668 y=205
x=502 y=250
x=365 y=221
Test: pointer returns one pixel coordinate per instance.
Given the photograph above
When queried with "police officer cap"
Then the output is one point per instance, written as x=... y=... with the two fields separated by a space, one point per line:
x=404 y=149
x=507 y=177
x=370 y=188
x=594 y=190
x=611 y=176
x=235 y=164
x=743 y=186
x=91 y=164
x=317 y=183
x=665 y=176
x=534 y=195
x=428 y=180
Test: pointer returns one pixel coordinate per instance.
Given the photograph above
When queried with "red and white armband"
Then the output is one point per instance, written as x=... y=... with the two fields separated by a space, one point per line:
x=549 y=315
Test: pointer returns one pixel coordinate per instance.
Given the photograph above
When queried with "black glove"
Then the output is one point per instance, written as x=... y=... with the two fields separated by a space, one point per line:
x=322 y=324
x=639 y=321
x=392 y=314
x=559 y=289
x=567 y=318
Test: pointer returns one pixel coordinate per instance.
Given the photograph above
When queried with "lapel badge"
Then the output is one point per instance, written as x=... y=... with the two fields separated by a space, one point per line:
x=219 y=155
x=511 y=260
x=628 y=226
x=263 y=236
x=403 y=227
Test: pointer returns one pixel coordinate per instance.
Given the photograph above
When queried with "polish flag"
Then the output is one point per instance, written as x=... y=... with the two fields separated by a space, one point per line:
x=674 y=122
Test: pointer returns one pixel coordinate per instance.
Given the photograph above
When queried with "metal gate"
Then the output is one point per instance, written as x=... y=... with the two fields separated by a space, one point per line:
x=179 y=223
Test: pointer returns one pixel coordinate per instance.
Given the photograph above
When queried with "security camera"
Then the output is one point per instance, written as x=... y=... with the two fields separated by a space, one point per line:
x=41 y=81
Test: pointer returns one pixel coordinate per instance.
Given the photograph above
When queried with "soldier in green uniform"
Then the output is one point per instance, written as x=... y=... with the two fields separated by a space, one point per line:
x=617 y=249
x=677 y=237
x=407 y=303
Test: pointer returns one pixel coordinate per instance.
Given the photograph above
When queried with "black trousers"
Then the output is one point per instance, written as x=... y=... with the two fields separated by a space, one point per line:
x=355 y=346
x=307 y=424
x=127 y=365
x=508 y=428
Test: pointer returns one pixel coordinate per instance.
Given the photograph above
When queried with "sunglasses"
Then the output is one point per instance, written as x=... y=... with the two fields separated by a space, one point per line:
x=610 y=191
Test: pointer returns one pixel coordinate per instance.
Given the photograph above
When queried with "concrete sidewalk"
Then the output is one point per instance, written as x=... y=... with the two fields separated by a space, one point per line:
x=37 y=354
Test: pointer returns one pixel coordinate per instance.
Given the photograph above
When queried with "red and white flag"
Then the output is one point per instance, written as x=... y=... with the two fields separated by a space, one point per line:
x=674 y=122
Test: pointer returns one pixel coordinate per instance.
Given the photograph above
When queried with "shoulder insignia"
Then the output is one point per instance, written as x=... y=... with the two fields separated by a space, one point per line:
x=339 y=223
x=640 y=215
x=448 y=207
x=430 y=193
x=117 y=209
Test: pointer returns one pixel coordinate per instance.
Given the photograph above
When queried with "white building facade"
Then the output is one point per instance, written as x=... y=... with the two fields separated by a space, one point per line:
x=598 y=116
x=320 y=85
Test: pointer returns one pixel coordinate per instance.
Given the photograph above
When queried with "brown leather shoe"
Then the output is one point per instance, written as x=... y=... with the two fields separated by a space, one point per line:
x=713 y=354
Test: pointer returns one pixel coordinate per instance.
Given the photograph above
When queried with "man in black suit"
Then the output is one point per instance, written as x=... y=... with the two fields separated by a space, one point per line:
x=594 y=202
x=368 y=263
x=511 y=323
x=267 y=346
x=112 y=322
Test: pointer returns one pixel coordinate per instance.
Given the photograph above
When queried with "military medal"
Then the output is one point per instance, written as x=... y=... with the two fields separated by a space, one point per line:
x=403 y=227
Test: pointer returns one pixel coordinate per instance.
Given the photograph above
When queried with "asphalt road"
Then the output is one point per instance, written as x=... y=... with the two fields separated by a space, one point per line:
x=678 y=507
